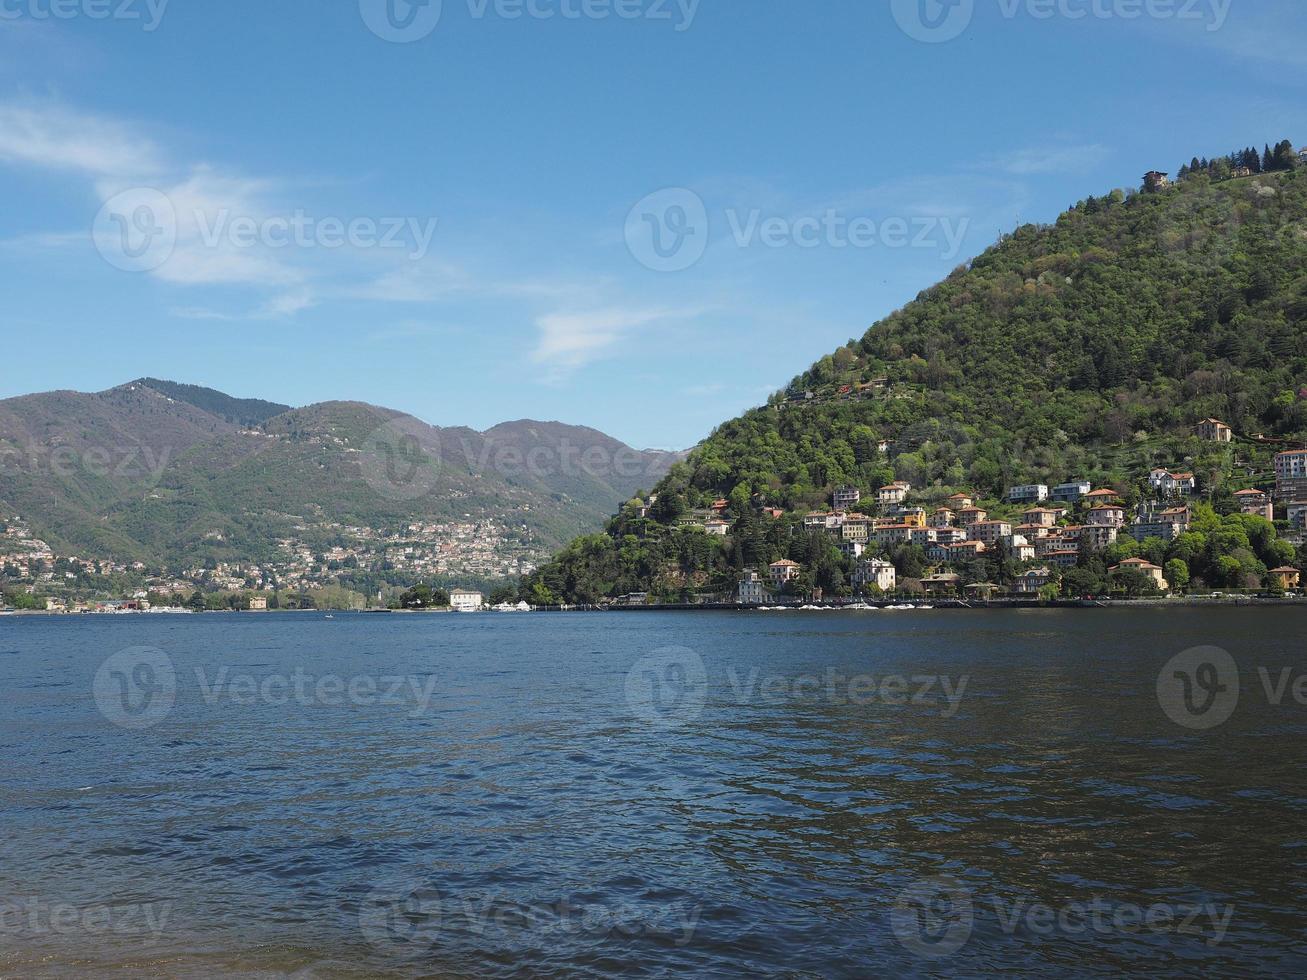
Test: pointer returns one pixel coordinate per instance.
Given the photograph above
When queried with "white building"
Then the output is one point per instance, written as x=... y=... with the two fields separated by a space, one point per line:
x=1167 y=524
x=853 y=549
x=1030 y=582
x=877 y=572
x=783 y=571
x=751 y=590
x=1298 y=514
x=1172 y=484
x=990 y=532
x=847 y=497
x=1070 y=493
x=465 y=600
x=893 y=493
x=1035 y=493
x=1291 y=475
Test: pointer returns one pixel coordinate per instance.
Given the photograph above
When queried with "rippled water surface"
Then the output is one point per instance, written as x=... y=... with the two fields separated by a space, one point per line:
x=788 y=794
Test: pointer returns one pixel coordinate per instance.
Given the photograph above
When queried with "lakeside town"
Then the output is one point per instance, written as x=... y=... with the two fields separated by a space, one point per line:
x=322 y=565
x=1070 y=540
x=1039 y=541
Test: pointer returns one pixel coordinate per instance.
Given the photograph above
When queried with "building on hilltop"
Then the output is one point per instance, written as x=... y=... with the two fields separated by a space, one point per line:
x=893 y=493
x=1298 y=514
x=1107 y=515
x=943 y=517
x=1171 y=484
x=846 y=497
x=1291 y=475
x=1070 y=493
x=989 y=532
x=1255 y=502
x=1156 y=180
x=1042 y=516
x=1096 y=537
x=1165 y=523
x=1031 y=493
x=1214 y=430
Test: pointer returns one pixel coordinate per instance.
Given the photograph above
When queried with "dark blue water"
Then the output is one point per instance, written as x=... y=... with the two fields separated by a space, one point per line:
x=786 y=794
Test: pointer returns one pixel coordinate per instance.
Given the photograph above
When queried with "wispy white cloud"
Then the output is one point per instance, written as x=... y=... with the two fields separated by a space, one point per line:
x=289 y=303
x=571 y=340
x=54 y=137
x=205 y=206
x=1051 y=159
x=1268 y=35
x=416 y=282
x=202 y=313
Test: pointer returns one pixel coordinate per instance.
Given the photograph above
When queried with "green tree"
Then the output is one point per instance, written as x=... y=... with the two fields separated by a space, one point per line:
x=1177 y=574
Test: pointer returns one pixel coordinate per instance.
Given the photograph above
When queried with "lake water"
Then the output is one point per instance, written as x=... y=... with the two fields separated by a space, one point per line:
x=655 y=794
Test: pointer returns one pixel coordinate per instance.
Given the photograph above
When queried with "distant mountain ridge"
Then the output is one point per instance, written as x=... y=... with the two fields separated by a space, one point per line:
x=238 y=411
x=179 y=475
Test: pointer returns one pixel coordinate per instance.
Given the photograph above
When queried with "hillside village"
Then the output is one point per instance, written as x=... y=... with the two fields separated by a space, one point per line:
x=323 y=563
x=1160 y=536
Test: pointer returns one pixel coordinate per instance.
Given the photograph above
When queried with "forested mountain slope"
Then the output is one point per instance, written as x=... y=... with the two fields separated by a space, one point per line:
x=1087 y=348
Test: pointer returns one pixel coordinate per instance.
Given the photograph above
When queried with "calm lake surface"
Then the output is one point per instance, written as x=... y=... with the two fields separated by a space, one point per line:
x=655 y=794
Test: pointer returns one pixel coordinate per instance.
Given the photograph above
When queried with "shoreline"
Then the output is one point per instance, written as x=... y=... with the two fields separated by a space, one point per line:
x=853 y=605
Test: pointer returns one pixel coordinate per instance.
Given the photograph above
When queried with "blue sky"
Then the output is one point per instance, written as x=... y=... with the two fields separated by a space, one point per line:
x=460 y=221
